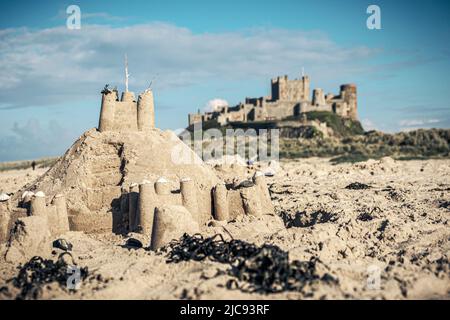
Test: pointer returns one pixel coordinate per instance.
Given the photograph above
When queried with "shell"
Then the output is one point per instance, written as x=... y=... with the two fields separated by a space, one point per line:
x=4 y=197
x=26 y=194
x=39 y=194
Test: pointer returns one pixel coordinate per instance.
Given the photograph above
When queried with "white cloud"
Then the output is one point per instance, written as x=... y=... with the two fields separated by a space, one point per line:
x=214 y=104
x=417 y=122
x=34 y=139
x=368 y=124
x=50 y=66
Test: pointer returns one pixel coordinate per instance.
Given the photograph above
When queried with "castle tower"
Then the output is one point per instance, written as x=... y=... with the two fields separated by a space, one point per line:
x=145 y=111
x=348 y=94
x=106 y=121
x=290 y=90
x=318 y=97
x=305 y=87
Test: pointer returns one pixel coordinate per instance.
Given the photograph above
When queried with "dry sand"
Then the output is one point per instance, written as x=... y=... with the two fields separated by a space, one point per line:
x=399 y=228
x=12 y=180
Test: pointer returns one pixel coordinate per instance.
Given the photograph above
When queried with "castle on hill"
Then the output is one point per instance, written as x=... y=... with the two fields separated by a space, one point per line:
x=290 y=99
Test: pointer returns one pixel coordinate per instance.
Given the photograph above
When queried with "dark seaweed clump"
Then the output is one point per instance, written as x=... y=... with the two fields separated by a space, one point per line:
x=263 y=269
x=307 y=219
x=38 y=272
x=357 y=186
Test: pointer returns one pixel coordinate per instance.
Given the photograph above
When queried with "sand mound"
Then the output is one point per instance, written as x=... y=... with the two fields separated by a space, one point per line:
x=126 y=176
x=97 y=168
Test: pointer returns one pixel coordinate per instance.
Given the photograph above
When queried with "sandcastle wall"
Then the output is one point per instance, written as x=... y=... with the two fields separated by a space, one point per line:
x=54 y=212
x=148 y=199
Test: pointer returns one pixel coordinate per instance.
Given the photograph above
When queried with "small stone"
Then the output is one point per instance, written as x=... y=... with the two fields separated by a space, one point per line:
x=133 y=243
x=246 y=184
x=62 y=244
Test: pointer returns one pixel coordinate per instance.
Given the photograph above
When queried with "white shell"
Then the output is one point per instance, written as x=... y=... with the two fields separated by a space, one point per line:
x=258 y=174
x=4 y=197
x=39 y=194
x=27 y=194
x=269 y=172
x=162 y=180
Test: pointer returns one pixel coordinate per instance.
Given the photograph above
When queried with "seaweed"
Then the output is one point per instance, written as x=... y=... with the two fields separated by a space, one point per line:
x=304 y=219
x=38 y=272
x=263 y=269
x=357 y=186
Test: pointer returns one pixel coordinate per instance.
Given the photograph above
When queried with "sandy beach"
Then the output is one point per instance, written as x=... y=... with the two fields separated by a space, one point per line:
x=389 y=240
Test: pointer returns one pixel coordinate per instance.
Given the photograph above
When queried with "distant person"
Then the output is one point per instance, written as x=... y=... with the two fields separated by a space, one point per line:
x=33 y=165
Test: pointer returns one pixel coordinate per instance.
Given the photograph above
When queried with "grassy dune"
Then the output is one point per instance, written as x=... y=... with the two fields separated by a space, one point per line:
x=417 y=144
x=25 y=164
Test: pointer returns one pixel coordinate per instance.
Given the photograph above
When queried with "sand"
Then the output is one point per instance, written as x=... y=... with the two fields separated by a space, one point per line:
x=12 y=180
x=398 y=229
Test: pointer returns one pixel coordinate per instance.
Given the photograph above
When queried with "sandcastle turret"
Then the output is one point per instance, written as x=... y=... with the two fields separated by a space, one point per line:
x=55 y=214
x=251 y=201
x=162 y=187
x=61 y=208
x=38 y=207
x=106 y=121
x=59 y=219
x=189 y=196
x=146 y=207
x=260 y=181
x=221 y=202
x=145 y=111
x=133 y=201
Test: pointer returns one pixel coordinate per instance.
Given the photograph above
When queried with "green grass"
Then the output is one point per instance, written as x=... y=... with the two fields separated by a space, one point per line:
x=341 y=126
x=413 y=145
x=350 y=158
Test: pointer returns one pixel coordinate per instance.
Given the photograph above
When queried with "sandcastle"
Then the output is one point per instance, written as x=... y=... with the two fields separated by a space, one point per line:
x=123 y=177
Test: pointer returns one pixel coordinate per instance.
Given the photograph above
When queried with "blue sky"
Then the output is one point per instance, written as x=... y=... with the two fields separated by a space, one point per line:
x=201 y=50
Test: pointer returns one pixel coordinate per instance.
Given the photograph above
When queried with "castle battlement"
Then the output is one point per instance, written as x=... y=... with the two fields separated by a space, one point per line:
x=290 y=90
